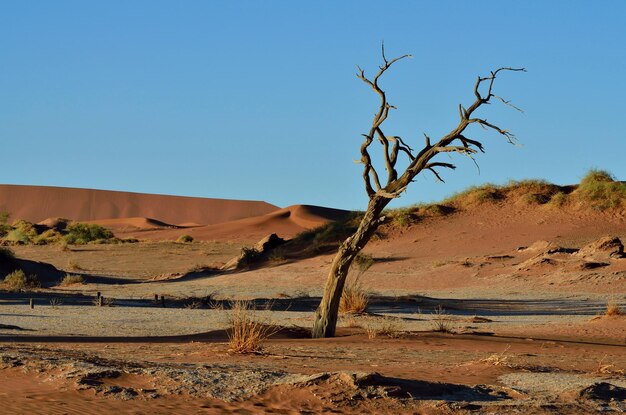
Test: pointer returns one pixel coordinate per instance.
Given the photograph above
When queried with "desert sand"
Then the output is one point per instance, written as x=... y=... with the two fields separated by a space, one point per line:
x=520 y=289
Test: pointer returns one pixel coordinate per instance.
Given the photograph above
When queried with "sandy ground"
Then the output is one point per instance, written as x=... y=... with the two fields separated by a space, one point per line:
x=523 y=293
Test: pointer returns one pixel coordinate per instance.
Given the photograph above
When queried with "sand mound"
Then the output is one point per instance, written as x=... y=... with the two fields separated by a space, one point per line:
x=285 y=222
x=37 y=203
x=603 y=248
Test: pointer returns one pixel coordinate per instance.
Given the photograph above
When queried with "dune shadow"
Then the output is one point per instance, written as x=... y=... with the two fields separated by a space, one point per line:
x=214 y=336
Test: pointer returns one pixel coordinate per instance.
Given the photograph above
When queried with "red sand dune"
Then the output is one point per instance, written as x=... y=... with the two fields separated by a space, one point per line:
x=285 y=222
x=38 y=203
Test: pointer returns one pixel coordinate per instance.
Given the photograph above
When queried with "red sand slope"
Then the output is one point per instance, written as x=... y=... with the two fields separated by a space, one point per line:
x=285 y=222
x=37 y=203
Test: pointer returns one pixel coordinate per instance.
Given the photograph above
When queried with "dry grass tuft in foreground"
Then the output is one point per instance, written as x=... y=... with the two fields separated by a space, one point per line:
x=247 y=332
x=354 y=298
x=613 y=309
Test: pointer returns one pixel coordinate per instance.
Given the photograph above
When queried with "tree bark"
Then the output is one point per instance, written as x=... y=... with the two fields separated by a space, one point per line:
x=328 y=310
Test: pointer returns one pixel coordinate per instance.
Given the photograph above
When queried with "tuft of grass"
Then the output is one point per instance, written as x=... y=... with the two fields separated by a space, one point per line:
x=498 y=359
x=403 y=217
x=600 y=191
x=73 y=265
x=558 y=199
x=247 y=332
x=70 y=279
x=613 y=309
x=18 y=280
x=56 y=302
x=193 y=304
x=441 y=320
x=184 y=239
x=386 y=326
x=354 y=298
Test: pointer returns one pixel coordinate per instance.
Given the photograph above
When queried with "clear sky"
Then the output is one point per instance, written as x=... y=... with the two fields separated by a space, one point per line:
x=258 y=100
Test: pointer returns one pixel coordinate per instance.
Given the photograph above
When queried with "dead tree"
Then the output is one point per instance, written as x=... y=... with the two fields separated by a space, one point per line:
x=380 y=194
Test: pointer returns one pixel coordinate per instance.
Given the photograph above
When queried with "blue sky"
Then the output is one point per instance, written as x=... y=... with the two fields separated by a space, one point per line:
x=258 y=100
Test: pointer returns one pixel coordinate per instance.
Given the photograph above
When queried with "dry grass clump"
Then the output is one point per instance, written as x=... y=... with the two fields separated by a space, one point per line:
x=71 y=279
x=73 y=265
x=498 y=359
x=18 y=280
x=475 y=195
x=402 y=217
x=354 y=299
x=441 y=320
x=608 y=368
x=599 y=190
x=613 y=309
x=184 y=239
x=386 y=326
x=247 y=331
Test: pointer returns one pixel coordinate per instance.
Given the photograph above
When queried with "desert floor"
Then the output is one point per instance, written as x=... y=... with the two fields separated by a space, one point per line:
x=501 y=309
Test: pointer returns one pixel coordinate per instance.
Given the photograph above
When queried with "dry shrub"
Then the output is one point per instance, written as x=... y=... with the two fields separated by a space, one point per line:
x=70 y=279
x=18 y=280
x=386 y=326
x=73 y=265
x=184 y=239
x=441 y=320
x=247 y=331
x=608 y=368
x=354 y=299
x=193 y=304
x=613 y=309
x=498 y=359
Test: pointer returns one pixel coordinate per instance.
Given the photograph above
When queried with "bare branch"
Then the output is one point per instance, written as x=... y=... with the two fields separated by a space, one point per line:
x=510 y=137
x=505 y=102
x=456 y=149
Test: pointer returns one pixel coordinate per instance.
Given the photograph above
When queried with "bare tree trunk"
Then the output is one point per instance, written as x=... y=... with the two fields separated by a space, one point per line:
x=326 y=314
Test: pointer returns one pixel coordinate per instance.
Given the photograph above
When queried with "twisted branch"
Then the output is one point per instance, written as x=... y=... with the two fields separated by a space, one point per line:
x=453 y=142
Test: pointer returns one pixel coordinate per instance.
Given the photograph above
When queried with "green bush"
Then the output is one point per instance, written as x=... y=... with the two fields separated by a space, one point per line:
x=83 y=233
x=17 y=280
